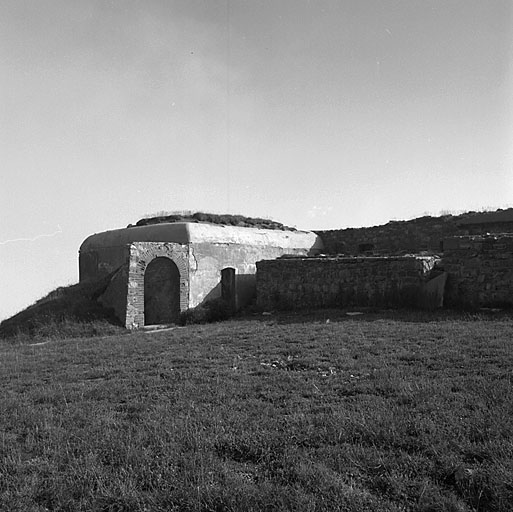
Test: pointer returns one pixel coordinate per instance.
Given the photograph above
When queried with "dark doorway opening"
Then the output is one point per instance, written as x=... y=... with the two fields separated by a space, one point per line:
x=228 y=288
x=161 y=292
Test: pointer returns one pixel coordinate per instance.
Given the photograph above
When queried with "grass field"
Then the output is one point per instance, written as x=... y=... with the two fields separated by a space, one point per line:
x=368 y=413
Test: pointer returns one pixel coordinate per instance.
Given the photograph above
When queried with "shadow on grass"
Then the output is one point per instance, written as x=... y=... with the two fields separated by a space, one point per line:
x=373 y=314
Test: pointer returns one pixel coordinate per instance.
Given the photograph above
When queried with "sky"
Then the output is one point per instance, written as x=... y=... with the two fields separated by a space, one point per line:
x=320 y=114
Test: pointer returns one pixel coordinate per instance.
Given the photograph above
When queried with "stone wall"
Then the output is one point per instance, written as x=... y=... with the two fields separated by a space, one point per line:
x=480 y=270
x=298 y=283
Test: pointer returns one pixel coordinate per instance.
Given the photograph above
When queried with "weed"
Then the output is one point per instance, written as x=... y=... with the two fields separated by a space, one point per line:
x=215 y=310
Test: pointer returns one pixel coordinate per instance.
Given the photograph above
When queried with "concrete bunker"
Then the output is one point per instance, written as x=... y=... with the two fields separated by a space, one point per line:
x=210 y=261
x=374 y=266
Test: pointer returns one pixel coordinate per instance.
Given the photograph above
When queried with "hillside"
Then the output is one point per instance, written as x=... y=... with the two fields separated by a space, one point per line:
x=375 y=413
x=65 y=311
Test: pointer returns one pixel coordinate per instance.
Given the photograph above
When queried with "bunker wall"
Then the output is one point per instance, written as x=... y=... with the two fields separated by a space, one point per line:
x=101 y=261
x=115 y=295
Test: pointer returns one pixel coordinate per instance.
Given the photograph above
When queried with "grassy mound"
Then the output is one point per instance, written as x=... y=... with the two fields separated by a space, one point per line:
x=68 y=311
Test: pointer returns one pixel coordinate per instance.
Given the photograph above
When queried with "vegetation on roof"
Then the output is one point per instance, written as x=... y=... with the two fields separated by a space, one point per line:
x=214 y=218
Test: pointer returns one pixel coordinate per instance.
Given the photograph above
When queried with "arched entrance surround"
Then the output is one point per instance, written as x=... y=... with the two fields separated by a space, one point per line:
x=141 y=255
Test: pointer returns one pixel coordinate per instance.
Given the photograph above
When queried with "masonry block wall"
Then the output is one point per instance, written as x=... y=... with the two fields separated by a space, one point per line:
x=298 y=283
x=480 y=270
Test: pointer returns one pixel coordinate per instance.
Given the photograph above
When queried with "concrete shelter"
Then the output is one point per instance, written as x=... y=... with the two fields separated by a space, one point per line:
x=159 y=270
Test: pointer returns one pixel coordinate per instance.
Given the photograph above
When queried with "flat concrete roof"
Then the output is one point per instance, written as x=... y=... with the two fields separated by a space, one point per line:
x=190 y=232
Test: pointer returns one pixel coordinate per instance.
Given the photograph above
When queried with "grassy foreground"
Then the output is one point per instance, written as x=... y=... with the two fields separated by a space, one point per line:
x=357 y=414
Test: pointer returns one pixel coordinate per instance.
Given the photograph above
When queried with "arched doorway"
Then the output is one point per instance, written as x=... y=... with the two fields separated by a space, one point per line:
x=161 y=292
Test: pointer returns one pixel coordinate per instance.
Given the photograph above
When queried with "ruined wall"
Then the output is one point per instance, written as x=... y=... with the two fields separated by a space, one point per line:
x=297 y=283
x=396 y=237
x=414 y=236
x=480 y=270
